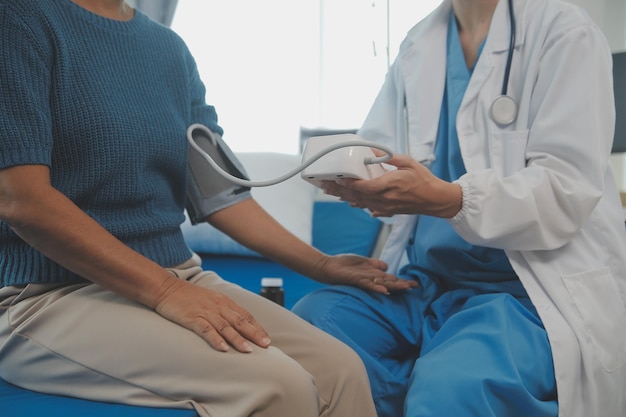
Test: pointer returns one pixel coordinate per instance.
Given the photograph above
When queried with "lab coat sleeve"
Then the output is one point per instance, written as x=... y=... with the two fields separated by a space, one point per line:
x=570 y=116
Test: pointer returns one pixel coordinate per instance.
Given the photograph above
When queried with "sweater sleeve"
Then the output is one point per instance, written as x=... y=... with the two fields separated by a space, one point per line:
x=201 y=112
x=25 y=62
x=207 y=191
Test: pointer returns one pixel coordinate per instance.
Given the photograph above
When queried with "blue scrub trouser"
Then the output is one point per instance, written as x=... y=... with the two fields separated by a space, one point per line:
x=430 y=353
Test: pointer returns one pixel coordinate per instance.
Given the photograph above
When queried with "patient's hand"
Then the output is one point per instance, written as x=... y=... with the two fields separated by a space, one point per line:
x=367 y=273
x=211 y=315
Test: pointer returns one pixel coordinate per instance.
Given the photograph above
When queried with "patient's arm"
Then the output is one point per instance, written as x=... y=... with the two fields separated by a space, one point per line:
x=51 y=223
x=249 y=224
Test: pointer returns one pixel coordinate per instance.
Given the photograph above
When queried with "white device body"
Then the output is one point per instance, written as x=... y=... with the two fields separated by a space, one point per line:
x=347 y=162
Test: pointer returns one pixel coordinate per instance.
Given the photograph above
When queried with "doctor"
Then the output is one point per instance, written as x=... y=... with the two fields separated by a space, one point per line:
x=507 y=214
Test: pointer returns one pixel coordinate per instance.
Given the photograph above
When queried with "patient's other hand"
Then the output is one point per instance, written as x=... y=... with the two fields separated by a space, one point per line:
x=367 y=273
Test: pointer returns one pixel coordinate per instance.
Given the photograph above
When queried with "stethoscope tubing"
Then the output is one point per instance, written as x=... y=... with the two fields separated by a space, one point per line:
x=509 y=59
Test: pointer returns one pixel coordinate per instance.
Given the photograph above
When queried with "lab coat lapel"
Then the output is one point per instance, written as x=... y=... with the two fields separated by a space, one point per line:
x=423 y=70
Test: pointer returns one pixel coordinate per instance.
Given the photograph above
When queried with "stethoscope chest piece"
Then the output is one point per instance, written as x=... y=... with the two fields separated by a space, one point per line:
x=504 y=110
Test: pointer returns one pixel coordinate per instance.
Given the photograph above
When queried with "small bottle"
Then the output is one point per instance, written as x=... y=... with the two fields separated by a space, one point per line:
x=272 y=289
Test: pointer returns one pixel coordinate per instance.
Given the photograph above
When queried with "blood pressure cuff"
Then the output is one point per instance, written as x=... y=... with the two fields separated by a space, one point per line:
x=207 y=190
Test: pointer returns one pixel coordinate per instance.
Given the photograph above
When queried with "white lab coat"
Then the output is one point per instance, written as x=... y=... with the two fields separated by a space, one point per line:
x=541 y=189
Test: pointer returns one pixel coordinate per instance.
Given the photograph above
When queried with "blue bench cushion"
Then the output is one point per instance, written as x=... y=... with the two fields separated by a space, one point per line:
x=18 y=402
x=340 y=228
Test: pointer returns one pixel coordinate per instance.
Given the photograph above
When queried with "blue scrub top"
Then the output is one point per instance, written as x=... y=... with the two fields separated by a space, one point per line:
x=436 y=250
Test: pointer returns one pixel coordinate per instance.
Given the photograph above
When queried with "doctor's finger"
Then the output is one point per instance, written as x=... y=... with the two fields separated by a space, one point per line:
x=329 y=187
x=397 y=160
x=364 y=188
x=345 y=192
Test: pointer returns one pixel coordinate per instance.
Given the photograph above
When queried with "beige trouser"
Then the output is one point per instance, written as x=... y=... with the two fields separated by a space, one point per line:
x=83 y=341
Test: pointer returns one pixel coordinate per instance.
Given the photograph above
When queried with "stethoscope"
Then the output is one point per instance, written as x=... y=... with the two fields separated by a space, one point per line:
x=504 y=107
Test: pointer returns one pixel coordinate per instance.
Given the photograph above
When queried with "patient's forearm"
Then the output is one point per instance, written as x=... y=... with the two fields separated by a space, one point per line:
x=249 y=224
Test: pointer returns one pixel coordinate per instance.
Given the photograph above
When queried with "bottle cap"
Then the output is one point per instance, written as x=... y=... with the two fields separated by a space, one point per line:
x=271 y=282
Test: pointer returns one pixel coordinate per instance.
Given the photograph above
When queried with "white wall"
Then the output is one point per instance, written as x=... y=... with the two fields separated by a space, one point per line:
x=259 y=62
x=273 y=66
x=610 y=15
x=358 y=40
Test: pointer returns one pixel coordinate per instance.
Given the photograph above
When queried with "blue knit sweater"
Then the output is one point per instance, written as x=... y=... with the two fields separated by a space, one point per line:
x=105 y=104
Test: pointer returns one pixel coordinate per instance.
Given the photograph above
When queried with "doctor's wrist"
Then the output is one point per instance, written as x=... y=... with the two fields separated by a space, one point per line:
x=451 y=200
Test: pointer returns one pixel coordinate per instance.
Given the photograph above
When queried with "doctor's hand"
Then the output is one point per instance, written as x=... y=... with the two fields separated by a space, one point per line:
x=359 y=271
x=410 y=189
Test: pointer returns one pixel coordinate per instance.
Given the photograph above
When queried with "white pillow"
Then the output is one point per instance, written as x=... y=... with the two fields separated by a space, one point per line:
x=289 y=202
